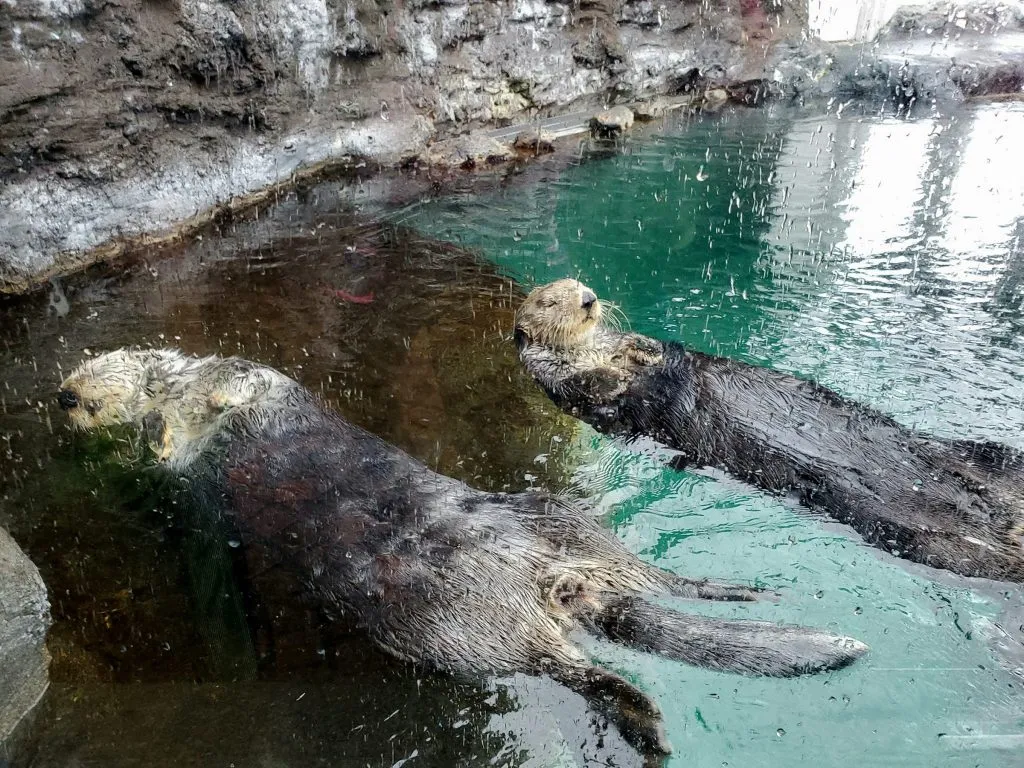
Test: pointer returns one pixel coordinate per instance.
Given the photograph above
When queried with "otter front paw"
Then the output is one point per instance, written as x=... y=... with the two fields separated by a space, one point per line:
x=640 y=350
x=602 y=385
x=157 y=435
x=221 y=401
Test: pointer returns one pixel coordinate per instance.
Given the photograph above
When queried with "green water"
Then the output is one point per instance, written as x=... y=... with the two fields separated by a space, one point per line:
x=883 y=257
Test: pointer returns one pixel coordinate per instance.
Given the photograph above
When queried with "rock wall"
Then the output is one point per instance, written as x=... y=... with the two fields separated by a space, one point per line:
x=24 y=618
x=125 y=121
x=124 y=117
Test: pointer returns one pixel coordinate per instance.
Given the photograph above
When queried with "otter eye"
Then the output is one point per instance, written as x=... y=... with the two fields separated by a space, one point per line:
x=549 y=302
x=93 y=407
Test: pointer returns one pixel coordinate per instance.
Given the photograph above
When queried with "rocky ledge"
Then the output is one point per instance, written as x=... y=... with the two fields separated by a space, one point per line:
x=24 y=618
x=123 y=122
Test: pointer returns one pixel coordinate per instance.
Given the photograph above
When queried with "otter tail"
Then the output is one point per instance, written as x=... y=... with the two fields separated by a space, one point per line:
x=746 y=647
x=635 y=714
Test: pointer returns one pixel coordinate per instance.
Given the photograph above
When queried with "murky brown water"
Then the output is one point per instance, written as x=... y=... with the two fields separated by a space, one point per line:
x=162 y=655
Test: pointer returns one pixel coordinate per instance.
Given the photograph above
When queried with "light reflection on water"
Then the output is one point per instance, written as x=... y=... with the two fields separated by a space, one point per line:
x=880 y=256
x=919 y=295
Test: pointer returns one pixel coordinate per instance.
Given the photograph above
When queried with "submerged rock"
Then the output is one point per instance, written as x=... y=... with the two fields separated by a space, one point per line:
x=24 y=619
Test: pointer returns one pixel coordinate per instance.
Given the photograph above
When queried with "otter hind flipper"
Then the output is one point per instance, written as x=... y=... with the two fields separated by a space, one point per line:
x=745 y=647
x=635 y=714
x=712 y=590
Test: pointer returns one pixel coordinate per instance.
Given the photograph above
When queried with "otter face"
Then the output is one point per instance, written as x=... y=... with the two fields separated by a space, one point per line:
x=106 y=390
x=564 y=313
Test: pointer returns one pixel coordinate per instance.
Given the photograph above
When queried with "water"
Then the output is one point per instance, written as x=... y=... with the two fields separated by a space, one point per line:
x=882 y=257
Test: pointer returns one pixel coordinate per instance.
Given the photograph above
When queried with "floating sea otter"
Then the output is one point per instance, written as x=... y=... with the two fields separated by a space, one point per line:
x=954 y=504
x=438 y=573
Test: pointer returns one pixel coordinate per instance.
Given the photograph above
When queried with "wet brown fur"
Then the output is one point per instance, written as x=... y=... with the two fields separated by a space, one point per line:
x=957 y=504
x=438 y=573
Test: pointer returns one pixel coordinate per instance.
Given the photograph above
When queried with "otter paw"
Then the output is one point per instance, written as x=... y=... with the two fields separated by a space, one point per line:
x=569 y=593
x=221 y=401
x=641 y=350
x=604 y=385
x=157 y=435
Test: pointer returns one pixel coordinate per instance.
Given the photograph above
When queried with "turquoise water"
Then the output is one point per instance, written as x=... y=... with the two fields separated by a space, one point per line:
x=883 y=257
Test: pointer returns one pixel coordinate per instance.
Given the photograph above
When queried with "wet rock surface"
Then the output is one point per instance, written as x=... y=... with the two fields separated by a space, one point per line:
x=125 y=121
x=24 y=618
x=929 y=57
x=945 y=19
x=468 y=152
x=612 y=122
x=129 y=117
x=536 y=142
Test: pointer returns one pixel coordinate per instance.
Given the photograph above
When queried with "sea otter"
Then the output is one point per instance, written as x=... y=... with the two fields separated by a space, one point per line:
x=953 y=504
x=438 y=573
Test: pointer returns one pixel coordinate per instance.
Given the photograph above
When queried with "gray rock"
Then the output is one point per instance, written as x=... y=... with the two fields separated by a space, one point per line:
x=24 y=618
x=612 y=122
x=659 y=106
x=468 y=152
x=216 y=100
x=943 y=18
x=714 y=99
x=534 y=142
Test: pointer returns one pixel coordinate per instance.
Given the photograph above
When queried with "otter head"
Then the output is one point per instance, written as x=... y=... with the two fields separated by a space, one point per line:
x=109 y=389
x=561 y=314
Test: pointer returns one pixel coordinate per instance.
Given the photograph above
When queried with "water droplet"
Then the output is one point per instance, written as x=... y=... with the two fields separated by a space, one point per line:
x=781 y=732
x=819 y=594
x=234 y=543
x=348 y=555
x=858 y=610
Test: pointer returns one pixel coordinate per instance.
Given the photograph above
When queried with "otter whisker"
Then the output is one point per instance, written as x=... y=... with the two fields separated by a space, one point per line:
x=616 y=318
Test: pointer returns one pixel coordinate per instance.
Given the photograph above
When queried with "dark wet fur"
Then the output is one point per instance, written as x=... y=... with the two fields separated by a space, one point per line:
x=910 y=494
x=464 y=581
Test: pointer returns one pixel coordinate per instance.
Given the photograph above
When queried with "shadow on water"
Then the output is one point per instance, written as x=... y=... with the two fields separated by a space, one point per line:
x=162 y=654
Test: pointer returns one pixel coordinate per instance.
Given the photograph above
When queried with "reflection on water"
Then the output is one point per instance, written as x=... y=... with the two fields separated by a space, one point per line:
x=879 y=256
x=917 y=297
x=855 y=250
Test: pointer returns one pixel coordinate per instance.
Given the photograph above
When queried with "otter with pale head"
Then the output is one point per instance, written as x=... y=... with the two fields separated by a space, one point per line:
x=953 y=504
x=436 y=572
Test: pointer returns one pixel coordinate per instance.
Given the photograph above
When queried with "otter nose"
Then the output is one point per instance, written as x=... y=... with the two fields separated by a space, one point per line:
x=67 y=399
x=587 y=299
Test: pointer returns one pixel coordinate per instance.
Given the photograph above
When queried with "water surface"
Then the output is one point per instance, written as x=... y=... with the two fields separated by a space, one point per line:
x=884 y=258
x=880 y=256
